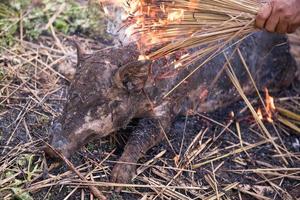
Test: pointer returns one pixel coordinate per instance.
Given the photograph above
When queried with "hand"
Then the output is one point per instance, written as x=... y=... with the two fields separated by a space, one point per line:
x=281 y=16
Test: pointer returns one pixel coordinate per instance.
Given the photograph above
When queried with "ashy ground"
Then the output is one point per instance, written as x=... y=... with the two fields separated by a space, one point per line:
x=221 y=155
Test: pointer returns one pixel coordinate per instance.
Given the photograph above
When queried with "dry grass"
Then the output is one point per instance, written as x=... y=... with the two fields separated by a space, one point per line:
x=239 y=157
x=202 y=171
x=182 y=24
x=162 y=28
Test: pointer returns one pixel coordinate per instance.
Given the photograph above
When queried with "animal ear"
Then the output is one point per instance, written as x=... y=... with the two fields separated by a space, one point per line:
x=133 y=75
x=81 y=54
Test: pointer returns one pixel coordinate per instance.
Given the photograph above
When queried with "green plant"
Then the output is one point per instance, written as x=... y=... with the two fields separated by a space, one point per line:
x=72 y=18
x=14 y=181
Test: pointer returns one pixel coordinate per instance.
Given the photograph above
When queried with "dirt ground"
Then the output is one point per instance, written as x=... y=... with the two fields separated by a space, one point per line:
x=213 y=155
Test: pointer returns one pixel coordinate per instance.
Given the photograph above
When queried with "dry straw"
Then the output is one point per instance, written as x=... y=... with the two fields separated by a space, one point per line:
x=179 y=25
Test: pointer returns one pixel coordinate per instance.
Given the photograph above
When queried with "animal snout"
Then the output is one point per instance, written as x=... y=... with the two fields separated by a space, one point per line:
x=55 y=135
x=56 y=128
x=57 y=142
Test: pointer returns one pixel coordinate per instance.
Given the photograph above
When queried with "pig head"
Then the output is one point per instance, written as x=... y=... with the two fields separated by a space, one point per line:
x=99 y=100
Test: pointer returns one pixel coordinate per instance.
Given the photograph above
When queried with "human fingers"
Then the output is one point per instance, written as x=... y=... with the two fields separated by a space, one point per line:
x=272 y=22
x=263 y=15
x=282 y=26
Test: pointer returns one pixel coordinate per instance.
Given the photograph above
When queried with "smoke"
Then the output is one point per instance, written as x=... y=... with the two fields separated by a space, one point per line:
x=116 y=15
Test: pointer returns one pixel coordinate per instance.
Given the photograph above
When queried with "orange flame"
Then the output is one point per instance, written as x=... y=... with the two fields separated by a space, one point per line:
x=143 y=57
x=259 y=113
x=143 y=21
x=270 y=106
x=177 y=65
x=175 y=15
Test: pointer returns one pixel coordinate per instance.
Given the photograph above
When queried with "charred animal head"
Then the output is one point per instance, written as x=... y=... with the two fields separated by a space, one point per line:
x=99 y=99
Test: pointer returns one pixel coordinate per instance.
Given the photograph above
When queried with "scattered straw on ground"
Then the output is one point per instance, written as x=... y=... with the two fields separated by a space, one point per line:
x=228 y=157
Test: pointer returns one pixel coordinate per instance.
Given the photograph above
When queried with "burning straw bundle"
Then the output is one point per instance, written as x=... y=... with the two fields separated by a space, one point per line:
x=178 y=25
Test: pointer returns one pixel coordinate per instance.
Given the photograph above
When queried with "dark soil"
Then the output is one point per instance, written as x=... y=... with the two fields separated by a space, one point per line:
x=183 y=132
x=185 y=129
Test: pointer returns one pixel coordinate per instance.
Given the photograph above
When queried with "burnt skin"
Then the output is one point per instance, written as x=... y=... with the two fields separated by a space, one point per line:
x=96 y=105
x=111 y=88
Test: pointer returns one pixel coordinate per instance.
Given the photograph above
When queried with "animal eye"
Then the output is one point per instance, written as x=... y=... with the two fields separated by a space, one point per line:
x=75 y=96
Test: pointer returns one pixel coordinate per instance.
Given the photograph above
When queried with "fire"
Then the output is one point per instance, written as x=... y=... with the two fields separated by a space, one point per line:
x=184 y=56
x=270 y=108
x=178 y=24
x=177 y=65
x=260 y=115
x=143 y=57
x=144 y=22
x=269 y=100
x=176 y=15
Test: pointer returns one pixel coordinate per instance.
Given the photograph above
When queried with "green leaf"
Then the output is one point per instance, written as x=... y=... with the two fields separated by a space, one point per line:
x=61 y=25
x=20 y=194
x=9 y=174
x=22 y=161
